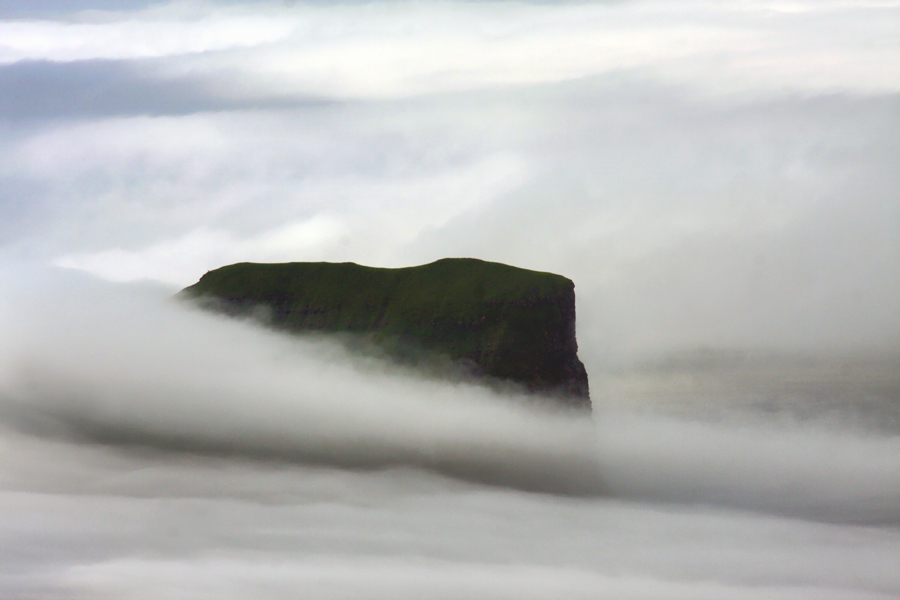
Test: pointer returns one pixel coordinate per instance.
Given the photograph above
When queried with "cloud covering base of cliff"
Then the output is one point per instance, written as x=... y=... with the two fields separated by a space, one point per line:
x=85 y=362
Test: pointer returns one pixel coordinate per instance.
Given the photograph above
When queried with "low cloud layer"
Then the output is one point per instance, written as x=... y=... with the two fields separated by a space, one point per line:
x=210 y=458
x=127 y=366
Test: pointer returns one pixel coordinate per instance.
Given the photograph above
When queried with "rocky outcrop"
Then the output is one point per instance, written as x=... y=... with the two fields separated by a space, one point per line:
x=501 y=322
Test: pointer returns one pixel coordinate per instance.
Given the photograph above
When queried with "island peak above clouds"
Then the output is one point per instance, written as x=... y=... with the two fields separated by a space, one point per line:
x=493 y=321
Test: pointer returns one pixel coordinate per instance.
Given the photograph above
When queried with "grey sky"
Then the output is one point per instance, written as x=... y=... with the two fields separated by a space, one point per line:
x=707 y=174
x=98 y=88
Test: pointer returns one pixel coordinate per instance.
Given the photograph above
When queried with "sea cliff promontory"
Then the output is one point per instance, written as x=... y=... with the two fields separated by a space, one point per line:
x=503 y=323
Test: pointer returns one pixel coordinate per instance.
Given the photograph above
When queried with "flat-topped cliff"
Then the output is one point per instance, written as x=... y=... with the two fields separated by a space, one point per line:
x=501 y=321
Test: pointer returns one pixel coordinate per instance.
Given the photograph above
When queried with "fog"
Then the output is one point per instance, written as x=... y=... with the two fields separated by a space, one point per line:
x=718 y=179
x=203 y=456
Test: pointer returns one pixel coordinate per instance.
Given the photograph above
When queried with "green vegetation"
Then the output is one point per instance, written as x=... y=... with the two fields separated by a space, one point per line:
x=508 y=323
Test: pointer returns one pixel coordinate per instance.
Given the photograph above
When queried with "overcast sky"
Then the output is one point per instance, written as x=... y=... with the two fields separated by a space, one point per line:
x=708 y=173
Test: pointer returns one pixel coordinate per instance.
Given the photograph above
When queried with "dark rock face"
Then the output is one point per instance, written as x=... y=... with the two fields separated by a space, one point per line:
x=502 y=322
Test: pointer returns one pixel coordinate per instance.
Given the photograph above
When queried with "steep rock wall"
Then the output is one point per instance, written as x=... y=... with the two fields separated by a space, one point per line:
x=504 y=322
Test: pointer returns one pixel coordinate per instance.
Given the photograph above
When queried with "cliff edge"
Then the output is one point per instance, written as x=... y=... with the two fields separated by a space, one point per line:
x=501 y=321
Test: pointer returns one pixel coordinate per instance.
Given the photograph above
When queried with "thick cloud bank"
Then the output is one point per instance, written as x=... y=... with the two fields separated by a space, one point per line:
x=86 y=361
x=212 y=458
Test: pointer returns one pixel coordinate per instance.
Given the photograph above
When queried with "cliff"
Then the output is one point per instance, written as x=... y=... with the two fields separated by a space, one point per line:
x=503 y=322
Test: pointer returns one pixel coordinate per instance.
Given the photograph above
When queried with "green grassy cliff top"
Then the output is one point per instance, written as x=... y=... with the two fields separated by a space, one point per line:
x=447 y=282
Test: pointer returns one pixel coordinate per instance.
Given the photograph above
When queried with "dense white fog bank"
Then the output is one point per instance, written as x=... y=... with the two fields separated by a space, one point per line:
x=449 y=545
x=88 y=361
x=399 y=535
x=150 y=449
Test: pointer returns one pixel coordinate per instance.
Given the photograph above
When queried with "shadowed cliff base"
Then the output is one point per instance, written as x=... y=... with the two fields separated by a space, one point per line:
x=501 y=324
